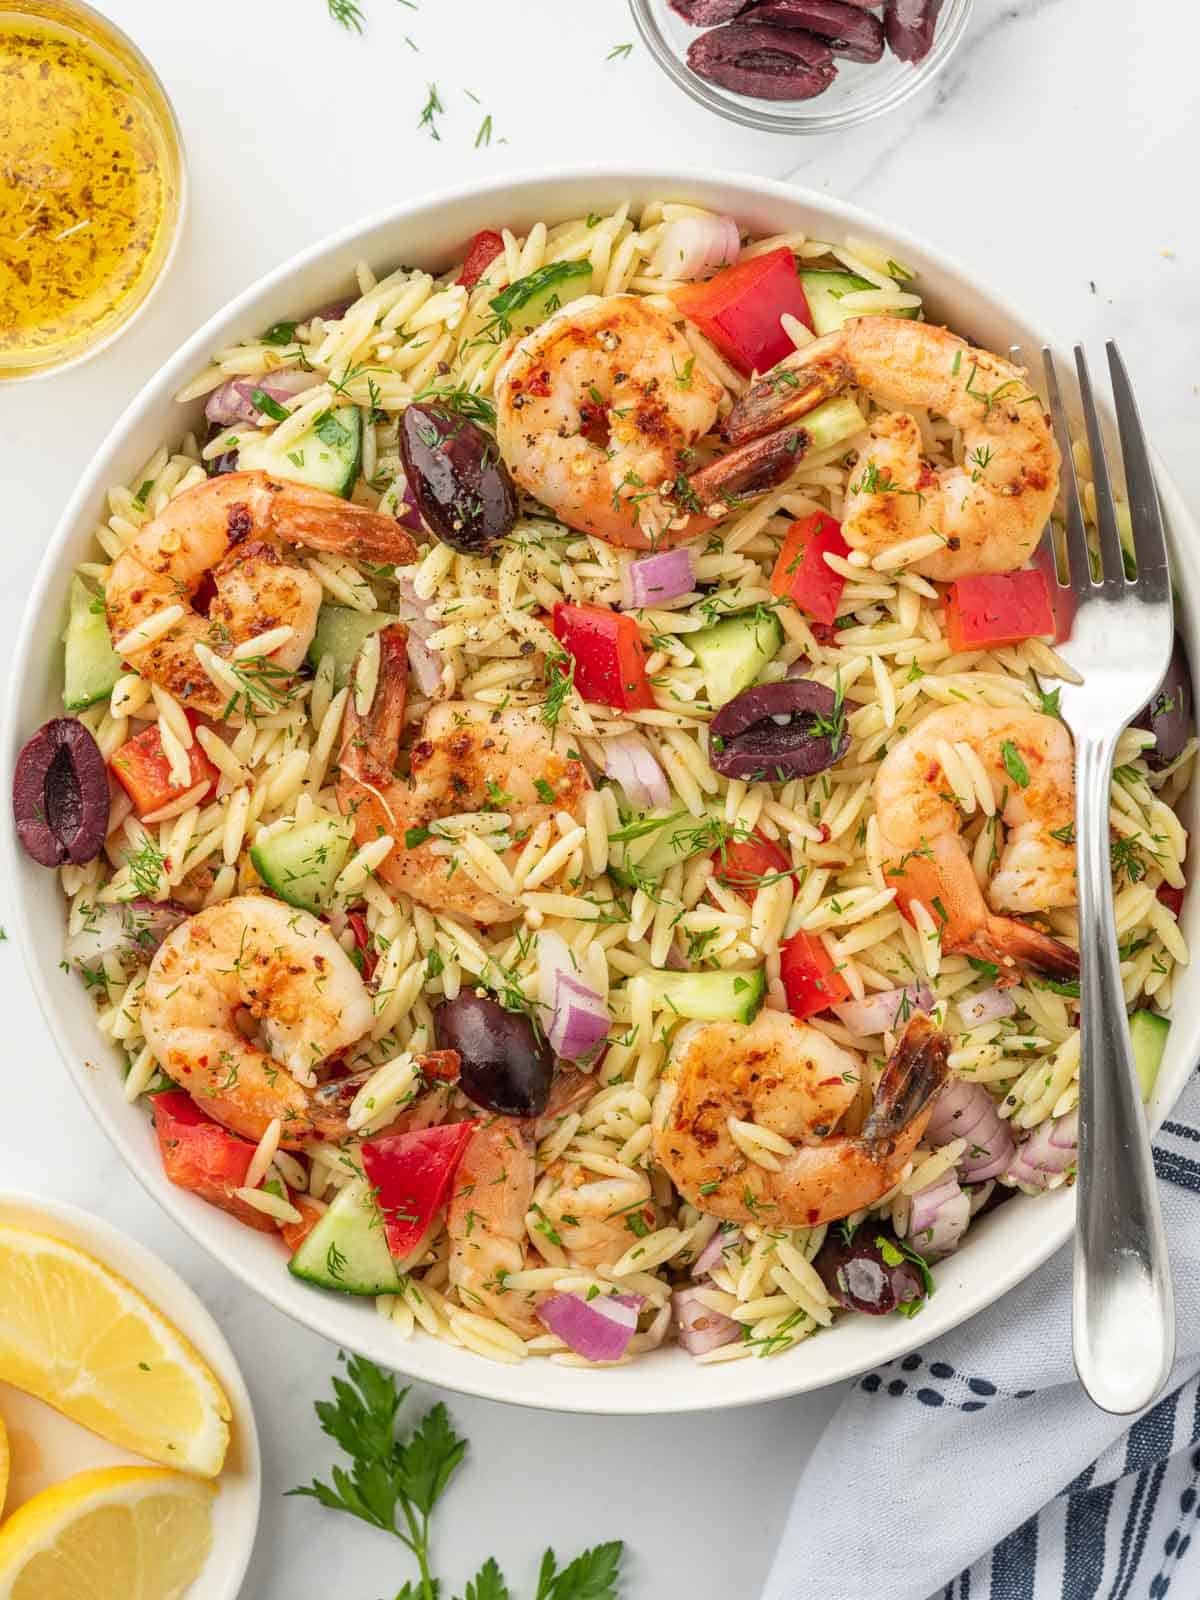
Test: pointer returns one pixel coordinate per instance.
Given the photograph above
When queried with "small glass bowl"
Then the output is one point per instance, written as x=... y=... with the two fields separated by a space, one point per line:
x=860 y=91
x=133 y=71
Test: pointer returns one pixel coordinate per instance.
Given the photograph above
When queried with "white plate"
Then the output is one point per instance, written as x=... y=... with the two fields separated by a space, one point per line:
x=47 y=1447
x=431 y=232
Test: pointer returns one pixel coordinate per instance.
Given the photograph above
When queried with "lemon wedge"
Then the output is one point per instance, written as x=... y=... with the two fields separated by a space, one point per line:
x=4 y=1460
x=119 y=1533
x=79 y=1337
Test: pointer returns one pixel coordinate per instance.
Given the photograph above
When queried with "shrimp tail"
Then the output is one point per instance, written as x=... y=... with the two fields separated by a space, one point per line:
x=1009 y=944
x=794 y=387
x=759 y=465
x=323 y=521
x=915 y=1072
x=371 y=739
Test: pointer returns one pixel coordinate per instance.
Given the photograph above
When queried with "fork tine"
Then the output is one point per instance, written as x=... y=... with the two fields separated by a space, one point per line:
x=1079 y=565
x=1149 y=540
x=1112 y=561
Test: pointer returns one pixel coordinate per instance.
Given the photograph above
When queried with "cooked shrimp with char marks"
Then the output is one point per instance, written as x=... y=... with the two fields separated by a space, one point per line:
x=990 y=511
x=256 y=962
x=599 y=412
x=468 y=758
x=794 y=1081
x=1028 y=760
x=234 y=530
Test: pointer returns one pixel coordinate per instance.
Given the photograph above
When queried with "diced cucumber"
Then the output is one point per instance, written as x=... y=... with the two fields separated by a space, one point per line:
x=339 y=633
x=654 y=842
x=824 y=291
x=326 y=456
x=732 y=653
x=301 y=864
x=1148 y=1036
x=530 y=300
x=347 y=1250
x=91 y=665
x=832 y=422
x=710 y=996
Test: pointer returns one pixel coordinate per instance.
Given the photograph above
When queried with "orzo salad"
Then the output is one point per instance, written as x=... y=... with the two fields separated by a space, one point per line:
x=562 y=804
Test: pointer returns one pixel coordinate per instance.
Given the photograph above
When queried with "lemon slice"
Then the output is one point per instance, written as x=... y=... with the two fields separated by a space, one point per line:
x=76 y=1335
x=120 y=1533
x=4 y=1460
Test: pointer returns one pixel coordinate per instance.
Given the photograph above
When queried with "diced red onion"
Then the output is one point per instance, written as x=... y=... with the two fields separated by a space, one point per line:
x=967 y=1111
x=628 y=763
x=575 y=1017
x=800 y=668
x=989 y=1006
x=234 y=401
x=598 y=1329
x=714 y=1251
x=1050 y=1150
x=702 y=1329
x=692 y=247
x=879 y=1012
x=334 y=310
x=657 y=578
x=131 y=928
x=426 y=664
x=938 y=1217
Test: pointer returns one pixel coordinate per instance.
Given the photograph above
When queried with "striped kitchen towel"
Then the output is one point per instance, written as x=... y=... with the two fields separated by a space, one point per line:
x=979 y=1470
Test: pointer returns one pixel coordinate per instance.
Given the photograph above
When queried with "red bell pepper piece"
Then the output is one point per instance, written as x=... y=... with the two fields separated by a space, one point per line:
x=801 y=572
x=998 y=608
x=140 y=766
x=739 y=309
x=481 y=252
x=742 y=864
x=610 y=663
x=411 y=1174
x=200 y=1155
x=1169 y=896
x=810 y=979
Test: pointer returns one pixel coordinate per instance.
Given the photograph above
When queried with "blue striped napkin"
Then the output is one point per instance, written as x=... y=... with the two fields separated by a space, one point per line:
x=979 y=1470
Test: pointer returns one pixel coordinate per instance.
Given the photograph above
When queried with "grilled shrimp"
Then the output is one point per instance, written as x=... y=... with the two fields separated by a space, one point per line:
x=1027 y=759
x=256 y=957
x=469 y=758
x=598 y=414
x=485 y=1221
x=591 y=1215
x=794 y=1081
x=233 y=530
x=990 y=511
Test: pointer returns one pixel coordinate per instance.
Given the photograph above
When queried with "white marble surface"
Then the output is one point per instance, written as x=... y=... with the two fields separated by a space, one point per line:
x=1056 y=155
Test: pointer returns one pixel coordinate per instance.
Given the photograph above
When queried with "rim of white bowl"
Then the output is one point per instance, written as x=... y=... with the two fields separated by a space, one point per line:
x=159 y=1283
x=856 y=1345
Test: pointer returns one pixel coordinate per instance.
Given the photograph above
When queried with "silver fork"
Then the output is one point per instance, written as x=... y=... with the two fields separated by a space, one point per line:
x=1120 y=643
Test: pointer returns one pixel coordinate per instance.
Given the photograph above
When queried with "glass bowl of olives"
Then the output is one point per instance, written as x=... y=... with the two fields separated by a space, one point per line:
x=801 y=66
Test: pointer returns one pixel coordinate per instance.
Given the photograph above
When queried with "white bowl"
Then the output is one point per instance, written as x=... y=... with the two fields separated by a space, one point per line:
x=1001 y=1249
x=57 y=1447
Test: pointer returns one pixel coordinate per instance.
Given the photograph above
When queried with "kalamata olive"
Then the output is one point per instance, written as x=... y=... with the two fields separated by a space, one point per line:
x=506 y=1067
x=60 y=794
x=869 y=1272
x=847 y=29
x=708 y=13
x=909 y=25
x=458 y=481
x=1171 y=714
x=769 y=63
x=778 y=731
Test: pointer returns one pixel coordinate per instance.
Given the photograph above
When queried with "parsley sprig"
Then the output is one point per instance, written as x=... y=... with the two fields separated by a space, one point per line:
x=396 y=1479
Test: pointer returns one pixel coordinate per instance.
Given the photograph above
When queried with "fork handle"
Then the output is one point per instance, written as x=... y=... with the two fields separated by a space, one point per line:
x=1124 y=1322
